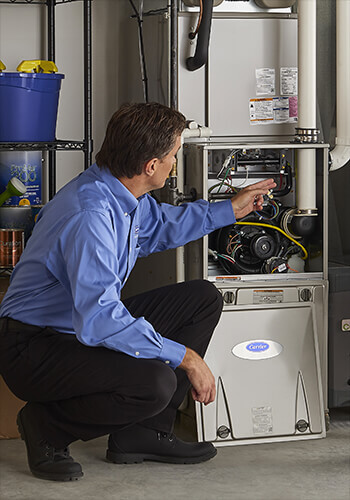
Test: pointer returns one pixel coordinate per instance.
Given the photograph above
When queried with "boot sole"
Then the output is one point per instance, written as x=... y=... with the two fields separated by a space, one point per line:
x=137 y=458
x=74 y=476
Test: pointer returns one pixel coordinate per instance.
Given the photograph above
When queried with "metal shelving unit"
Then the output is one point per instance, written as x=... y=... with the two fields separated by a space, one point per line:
x=51 y=147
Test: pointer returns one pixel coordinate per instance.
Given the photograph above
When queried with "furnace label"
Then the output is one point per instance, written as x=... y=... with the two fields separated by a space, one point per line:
x=265 y=81
x=289 y=81
x=262 y=420
x=281 y=109
x=267 y=296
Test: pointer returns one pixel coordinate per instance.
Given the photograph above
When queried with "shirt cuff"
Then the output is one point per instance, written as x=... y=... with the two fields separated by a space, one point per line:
x=172 y=353
x=222 y=213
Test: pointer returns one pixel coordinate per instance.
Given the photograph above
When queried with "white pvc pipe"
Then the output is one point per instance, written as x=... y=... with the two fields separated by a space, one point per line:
x=194 y=130
x=180 y=251
x=307 y=63
x=341 y=153
x=306 y=175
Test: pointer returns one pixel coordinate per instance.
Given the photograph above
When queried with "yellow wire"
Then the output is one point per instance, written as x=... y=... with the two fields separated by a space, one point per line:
x=277 y=229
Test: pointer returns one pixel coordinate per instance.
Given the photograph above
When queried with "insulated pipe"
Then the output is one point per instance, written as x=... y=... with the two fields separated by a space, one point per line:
x=306 y=174
x=341 y=153
x=201 y=54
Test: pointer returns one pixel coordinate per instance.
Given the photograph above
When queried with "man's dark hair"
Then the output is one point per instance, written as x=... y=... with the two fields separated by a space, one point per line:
x=135 y=134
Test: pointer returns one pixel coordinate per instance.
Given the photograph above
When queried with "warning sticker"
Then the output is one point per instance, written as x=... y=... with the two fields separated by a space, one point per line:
x=289 y=81
x=265 y=81
x=273 y=110
x=261 y=111
x=262 y=420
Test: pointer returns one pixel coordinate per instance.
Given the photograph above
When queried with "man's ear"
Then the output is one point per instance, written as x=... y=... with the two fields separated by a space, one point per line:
x=150 y=167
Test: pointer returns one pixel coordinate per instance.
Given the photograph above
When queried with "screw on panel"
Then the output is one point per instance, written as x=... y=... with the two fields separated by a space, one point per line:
x=345 y=325
x=223 y=432
x=229 y=297
x=302 y=425
x=305 y=294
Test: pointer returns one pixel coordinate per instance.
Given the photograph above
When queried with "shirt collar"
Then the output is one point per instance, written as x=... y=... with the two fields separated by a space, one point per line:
x=127 y=200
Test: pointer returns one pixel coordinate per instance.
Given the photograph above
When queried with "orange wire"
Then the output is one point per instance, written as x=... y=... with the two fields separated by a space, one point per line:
x=199 y=17
x=292 y=269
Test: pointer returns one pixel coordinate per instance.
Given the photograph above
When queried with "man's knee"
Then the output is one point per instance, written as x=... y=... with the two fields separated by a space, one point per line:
x=207 y=292
x=161 y=385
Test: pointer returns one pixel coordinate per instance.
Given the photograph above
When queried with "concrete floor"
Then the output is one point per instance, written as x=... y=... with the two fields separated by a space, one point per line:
x=301 y=470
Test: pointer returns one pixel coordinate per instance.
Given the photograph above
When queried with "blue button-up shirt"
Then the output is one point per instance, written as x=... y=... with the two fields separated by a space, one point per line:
x=81 y=252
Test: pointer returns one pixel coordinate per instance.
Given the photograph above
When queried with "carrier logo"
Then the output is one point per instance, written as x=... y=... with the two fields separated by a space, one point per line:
x=255 y=350
x=257 y=346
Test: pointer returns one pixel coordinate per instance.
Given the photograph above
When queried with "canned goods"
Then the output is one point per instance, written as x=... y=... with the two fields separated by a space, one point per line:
x=11 y=247
x=17 y=218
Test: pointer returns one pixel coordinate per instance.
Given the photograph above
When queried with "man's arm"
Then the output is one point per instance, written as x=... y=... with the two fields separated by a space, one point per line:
x=165 y=226
x=200 y=376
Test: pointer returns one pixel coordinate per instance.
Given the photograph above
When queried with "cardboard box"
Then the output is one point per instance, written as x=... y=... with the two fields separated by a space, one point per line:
x=9 y=404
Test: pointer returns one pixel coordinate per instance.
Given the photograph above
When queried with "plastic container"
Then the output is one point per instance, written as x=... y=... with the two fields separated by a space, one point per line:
x=28 y=106
x=27 y=167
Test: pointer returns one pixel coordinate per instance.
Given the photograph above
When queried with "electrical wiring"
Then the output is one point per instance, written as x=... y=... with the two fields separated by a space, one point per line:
x=223 y=180
x=246 y=178
x=294 y=270
x=233 y=189
x=227 y=162
x=277 y=207
x=276 y=210
x=226 y=257
x=216 y=254
x=194 y=33
x=276 y=229
x=231 y=247
x=236 y=247
x=239 y=185
x=139 y=17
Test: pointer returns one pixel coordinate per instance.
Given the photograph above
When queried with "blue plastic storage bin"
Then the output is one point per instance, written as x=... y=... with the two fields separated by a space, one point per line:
x=28 y=106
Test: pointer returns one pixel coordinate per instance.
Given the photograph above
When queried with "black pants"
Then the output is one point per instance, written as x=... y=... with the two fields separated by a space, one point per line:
x=79 y=392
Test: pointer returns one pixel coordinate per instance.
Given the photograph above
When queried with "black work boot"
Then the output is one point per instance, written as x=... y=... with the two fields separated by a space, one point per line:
x=136 y=444
x=45 y=461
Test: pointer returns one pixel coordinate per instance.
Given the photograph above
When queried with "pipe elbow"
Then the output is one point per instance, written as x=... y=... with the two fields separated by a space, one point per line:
x=340 y=156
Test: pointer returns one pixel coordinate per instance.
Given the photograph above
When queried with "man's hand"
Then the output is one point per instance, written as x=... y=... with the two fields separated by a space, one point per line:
x=251 y=198
x=200 y=376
